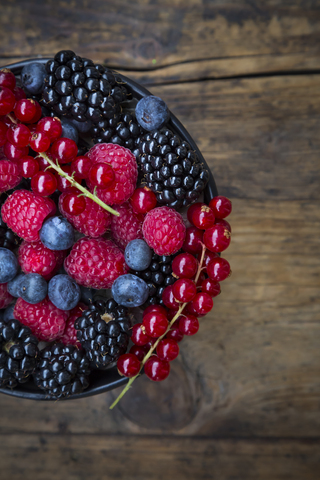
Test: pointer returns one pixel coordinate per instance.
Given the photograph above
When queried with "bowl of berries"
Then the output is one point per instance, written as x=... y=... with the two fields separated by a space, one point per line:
x=111 y=231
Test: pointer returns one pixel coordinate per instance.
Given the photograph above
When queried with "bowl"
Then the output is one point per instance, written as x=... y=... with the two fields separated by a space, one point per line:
x=105 y=380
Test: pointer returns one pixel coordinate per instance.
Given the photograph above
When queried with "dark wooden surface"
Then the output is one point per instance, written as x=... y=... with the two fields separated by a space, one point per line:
x=243 y=399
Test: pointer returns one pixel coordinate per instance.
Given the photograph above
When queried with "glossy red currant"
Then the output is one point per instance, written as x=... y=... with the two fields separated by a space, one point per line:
x=37 y=115
x=208 y=256
x=218 y=269
x=169 y=299
x=155 y=324
x=81 y=166
x=51 y=126
x=14 y=153
x=167 y=349
x=25 y=110
x=185 y=265
x=156 y=369
x=7 y=101
x=73 y=204
x=143 y=200
x=7 y=79
x=28 y=166
x=19 y=135
x=224 y=223
x=139 y=335
x=101 y=175
x=128 y=365
x=154 y=309
x=201 y=216
x=193 y=240
x=202 y=303
x=211 y=287
x=217 y=238
x=221 y=206
x=40 y=142
x=189 y=325
x=44 y=183
x=64 y=150
x=63 y=182
x=184 y=290
x=175 y=334
x=139 y=352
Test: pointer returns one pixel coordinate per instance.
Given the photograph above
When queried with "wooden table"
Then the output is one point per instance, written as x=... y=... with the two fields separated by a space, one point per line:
x=243 y=399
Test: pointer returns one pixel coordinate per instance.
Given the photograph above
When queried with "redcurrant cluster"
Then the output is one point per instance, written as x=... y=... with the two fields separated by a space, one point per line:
x=199 y=271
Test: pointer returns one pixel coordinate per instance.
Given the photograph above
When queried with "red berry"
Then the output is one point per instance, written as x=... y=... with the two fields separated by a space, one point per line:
x=40 y=142
x=189 y=310
x=101 y=175
x=175 y=334
x=126 y=227
x=143 y=200
x=19 y=93
x=193 y=240
x=7 y=101
x=64 y=150
x=28 y=166
x=43 y=163
x=167 y=349
x=201 y=216
x=9 y=175
x=156 y=369
x=208 y=256
x=3 y=133
x=139 y=352
x=211 y=287
x=224 y=223
x=169 y=299
x=184 y=290
x=202 y=303
x=217 y=238
x=128 y=365
x=63 y=183
x=25 y=110
x=37 y=115
x=139 y=335
x=154 y=309
x=81 y=166
x=19 y=135
x=14 y=153
x=221 y=206
x=218 y=269
x=164 y=230
x=155 y=324
x=7 y=79
x=188 y=325
x=51 y=126
x=150 y=344
x=73 y=204
x=44 y=183
x=185 y=265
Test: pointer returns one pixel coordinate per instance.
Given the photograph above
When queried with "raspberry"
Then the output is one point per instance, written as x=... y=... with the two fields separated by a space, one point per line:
x=46 y=321
x=70 y=333
x=126 y=227
x=92 y=222
x=36 y=258
x=125 y=170
x=95 y=262
x=9 y=175
x=164 y=230
x=24 y=212
x=5 y=297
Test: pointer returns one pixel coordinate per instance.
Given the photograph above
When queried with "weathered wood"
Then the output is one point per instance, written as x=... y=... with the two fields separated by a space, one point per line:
x=118 y=457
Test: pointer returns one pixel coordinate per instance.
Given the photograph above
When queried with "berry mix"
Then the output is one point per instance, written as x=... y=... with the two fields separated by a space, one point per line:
x=98 y=195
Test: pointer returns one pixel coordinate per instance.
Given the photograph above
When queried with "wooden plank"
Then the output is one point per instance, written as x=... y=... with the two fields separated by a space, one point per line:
x=145 y=34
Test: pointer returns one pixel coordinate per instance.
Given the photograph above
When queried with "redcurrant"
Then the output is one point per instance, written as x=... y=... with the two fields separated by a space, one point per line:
x=128 y=365
x=81 y=166
x=218 y=269
x=28 y=166
x=169 y=299
x=188 y=325
x=19 y=135
x=19 y=93
x=184 y=290
x=73 y=204
x=193 y=240
x=40 y=142
x=217 y=238
x=155 y=324
x=51 y=126
x=63 y=183
x=139 y=352
x=101 y=175
x=44 y=183
x=201 y=216
x=64 y=150
x=7 y=79
x=139 y=335
x=224 y=223
x=167 y=349
x=208 y=256
x=143 y=200
x=37 y=115
x=156 y=369
x=185 y=265
x=211 y=287
x=14 y=153
x=154 y=309
x=25 y=109
x=202 y=303
x=221 y=206
x=174 y=334
x=7 y=101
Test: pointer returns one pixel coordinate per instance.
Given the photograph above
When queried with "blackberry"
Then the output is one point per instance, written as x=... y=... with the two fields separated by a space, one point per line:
x=18 y=353
x=169 y=167
x=62 y=370
x=77 y=88
x=124 y=131
x=104 y=330
x=157 y=276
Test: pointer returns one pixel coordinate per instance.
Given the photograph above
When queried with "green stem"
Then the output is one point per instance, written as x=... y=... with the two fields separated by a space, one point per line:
x=154 y=346
x=77 y=185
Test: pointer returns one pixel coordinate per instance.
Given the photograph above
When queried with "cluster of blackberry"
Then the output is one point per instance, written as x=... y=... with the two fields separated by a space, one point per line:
x=123 y=130
x=157 y=276
x=77 y=88
x=104 y=331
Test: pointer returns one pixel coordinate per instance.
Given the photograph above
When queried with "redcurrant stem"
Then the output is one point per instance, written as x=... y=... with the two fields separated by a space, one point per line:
x=154 y=346
x=13 y=120
x=85 y=192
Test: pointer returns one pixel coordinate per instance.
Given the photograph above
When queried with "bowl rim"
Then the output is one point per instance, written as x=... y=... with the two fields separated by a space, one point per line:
x=105 y=380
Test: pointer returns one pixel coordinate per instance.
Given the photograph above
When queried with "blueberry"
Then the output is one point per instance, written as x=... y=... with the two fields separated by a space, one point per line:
x=8 y=265
x=138 y=255
x=82 y=127
x=57 y=234
x=152 y=113
x=33 y=288
x=130 y=291
x=32 y=77
x=86 y=295
x=14 y=285
x=8 y=313
x=69 y=130
x=64 y=292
